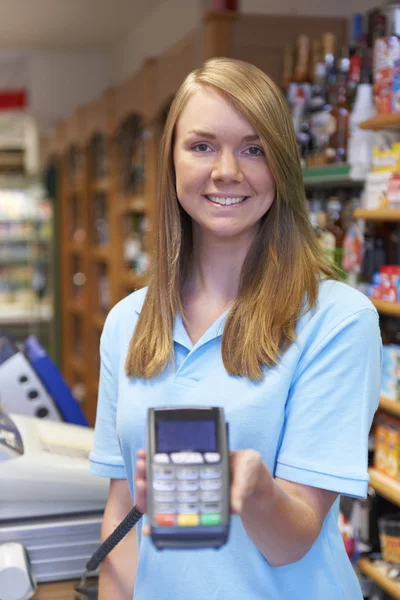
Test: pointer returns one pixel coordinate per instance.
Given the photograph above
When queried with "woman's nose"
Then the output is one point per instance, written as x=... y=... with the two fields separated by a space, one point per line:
x=227 y=168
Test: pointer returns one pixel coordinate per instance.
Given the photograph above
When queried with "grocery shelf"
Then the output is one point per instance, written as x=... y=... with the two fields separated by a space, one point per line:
x=24 y=314
x=78 y=365
x=76 y=248
x=386 y=308
x=135 y=204
x=390 y=587
x=101 y=253
x=378 y=214
x=382 y=122
x=337 y=175
x=390 y=406
x=132 y=281
x=384 y=486
x=100 y=185
x=76 y=308
x=98 y=320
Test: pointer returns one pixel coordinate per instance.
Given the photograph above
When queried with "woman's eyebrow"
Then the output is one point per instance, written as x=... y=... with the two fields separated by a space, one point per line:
x=212 y=136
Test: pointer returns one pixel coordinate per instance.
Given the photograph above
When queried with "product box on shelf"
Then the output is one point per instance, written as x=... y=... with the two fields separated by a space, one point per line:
x=386 y=284
x=386 y=59
x=387 y=446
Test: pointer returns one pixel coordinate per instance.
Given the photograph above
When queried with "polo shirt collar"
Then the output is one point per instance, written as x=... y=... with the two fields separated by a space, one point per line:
x=179 y=333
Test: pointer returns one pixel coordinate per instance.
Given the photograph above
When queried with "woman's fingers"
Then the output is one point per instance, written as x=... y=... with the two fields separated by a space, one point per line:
x=140 y=481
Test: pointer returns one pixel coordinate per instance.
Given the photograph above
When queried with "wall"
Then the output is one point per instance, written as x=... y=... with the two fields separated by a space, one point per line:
x=167 y=23
x=60 y=81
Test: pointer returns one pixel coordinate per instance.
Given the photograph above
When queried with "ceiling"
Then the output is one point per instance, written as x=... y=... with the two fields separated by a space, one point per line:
x=62 y=24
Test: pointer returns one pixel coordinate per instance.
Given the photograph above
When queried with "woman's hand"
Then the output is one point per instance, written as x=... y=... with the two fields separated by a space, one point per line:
x=249 y=475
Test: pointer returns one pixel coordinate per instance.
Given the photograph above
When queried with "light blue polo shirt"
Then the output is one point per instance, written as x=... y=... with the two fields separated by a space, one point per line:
x=309 y=419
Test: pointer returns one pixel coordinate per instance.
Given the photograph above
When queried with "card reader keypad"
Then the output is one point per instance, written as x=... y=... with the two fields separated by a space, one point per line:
x=187 y=489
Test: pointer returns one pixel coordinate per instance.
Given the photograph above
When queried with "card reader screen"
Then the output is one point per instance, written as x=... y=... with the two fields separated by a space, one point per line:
x=191 y=436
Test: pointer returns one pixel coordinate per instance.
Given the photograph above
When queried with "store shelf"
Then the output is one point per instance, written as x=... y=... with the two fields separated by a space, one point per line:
x=379 y=214
x=386 y=308
x=22 y=314
x=330 y=176
x=382 y=122
x=134 y=204
x=78 y=365
x=76 y=248
x=101 y=253
x=390 y=587
x=390 y=406
x=98 y=320
x=384 y=486
x=100 y=186
x=132 y=281
x=76 y=308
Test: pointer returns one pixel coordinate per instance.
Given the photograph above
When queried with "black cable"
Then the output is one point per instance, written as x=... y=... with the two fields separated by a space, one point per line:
x=120 y=532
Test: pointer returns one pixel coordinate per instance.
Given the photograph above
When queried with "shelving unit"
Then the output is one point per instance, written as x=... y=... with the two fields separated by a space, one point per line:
x=390 y=587
x=330 y=176
x=386 y=487
x=379 y=122
x=379 y=214
x=390 y=406
x=387 y=308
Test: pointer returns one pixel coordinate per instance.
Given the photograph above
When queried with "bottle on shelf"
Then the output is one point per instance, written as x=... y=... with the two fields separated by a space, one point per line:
x=356 y=56
x=288 y=66
x=300 y=87
x=340 y=114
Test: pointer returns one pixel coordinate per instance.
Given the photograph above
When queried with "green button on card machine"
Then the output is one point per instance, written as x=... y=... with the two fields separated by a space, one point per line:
x=188 y=477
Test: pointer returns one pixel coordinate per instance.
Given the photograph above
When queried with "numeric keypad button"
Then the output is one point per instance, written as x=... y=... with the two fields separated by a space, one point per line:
x=162 y=485
x=211 y=496
x=187 y=486
x=210 y=472
x=187 y=474
x=210 y=484
x=163 y=473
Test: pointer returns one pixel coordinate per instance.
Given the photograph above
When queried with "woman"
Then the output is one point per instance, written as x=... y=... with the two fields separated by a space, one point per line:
x=242 y=311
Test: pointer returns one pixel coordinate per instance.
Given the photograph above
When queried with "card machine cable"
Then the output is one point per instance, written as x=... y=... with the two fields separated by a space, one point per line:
x=188 y=483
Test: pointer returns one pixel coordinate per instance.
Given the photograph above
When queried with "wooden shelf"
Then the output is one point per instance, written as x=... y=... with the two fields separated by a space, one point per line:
x=133 y=281
x=100 y=186
x=382 y=122
x=390 y=587
x=384 y=486
x=98 y=320
x=100 y=253
x=390 y=406
x=76 y=308
x=78 y=365
x=76 y=248
x=387 y=308
x=134 y=204
x=379 y=214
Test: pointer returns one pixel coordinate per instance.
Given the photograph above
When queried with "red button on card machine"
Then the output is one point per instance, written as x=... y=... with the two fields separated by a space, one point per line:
x=188 y=477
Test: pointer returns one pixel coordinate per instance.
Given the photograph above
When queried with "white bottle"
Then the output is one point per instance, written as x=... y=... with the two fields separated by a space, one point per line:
x=361 y=141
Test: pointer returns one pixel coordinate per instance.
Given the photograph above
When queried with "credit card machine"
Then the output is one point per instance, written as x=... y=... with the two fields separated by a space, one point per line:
x=188 y=477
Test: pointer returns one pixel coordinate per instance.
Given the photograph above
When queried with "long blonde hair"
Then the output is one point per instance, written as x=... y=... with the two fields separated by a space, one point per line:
x=281 y=273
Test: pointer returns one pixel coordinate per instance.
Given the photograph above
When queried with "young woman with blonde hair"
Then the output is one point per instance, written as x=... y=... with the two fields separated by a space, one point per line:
x=243 y=311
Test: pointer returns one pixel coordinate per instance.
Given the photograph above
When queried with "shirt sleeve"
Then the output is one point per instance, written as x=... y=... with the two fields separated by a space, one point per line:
x=106 y=458
x=330 y=407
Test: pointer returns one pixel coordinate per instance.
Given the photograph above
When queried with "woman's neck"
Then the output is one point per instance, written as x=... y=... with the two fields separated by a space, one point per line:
x=216 y=266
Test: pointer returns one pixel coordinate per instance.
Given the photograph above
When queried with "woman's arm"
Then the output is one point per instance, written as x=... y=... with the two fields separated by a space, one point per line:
x=118 y=569
x=282 y=518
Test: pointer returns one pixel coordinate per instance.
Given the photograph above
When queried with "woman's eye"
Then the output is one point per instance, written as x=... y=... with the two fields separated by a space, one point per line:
x=255 y=151
x=201 y=147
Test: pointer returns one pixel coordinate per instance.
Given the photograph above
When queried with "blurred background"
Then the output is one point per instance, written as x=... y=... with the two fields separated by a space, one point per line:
x=85 y=89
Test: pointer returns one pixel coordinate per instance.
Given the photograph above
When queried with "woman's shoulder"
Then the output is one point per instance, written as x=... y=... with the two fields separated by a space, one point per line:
x=336 y=296
x=126 y=311
x=336 y=303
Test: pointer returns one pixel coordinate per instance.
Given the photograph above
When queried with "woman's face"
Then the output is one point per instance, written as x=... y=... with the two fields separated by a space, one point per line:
x=222 y=178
